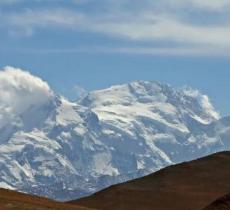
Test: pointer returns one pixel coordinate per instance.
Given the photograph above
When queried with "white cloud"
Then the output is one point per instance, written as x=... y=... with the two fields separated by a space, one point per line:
x=163 y=51
x=74 y=93
x=79 y=91
x=158 y=28
x=20 y=90
x=210 y=4
x=203 y=101
x=143 y=27
x=44 y=18
x=149 y=21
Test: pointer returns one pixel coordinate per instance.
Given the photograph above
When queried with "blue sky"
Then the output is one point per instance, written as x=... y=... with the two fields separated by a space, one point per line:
x=91 y=45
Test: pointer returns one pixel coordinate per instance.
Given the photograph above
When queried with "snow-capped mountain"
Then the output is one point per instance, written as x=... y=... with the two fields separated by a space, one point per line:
x=64 y=150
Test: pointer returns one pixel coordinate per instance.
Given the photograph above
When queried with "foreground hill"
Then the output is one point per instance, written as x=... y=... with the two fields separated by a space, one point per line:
x=222 y=203
x=19 y=201
x=187 y=186
x=65 y=150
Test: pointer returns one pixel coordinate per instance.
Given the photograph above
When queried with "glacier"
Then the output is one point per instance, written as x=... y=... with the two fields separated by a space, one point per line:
x=66 y=150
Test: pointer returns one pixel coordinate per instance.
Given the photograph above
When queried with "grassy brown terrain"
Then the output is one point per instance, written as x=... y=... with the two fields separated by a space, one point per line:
x=3 y=208
x=10 y=200
x=187 y=186
x=222 y=203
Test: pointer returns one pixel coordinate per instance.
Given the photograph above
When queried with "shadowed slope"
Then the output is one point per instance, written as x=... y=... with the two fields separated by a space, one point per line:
x=14 y=200
x=187 y=186
x=222 y=203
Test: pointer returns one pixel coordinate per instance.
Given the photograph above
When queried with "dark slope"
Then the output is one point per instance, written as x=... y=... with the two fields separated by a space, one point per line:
x=187 y=186
x=10 y=200
x=222 y=203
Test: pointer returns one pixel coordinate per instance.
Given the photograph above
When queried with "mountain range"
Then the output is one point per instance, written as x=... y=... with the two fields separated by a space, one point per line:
x=66 y=150
x=195 y=185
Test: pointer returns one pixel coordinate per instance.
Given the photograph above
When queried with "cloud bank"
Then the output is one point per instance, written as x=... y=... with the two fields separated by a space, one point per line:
x=204 y=102
x=193 y=26
x=20 y=90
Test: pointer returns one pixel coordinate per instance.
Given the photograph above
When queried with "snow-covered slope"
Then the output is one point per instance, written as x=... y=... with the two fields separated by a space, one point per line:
x=66 y=150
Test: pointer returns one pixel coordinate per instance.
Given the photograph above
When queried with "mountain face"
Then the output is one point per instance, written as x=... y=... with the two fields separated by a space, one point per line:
x=191 y=186
x=63 y=150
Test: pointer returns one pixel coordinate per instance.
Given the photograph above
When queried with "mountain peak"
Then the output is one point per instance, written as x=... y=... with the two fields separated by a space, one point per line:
x=182 y=100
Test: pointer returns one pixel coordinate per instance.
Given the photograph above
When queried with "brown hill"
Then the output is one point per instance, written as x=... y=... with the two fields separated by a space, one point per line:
x=187 y=186
x=222 y=203
x=10 y=200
